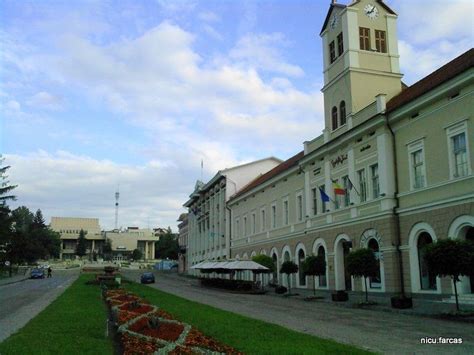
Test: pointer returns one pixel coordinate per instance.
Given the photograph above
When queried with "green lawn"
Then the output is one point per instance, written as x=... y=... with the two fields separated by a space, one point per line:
x=73 y=324
x=245 y=334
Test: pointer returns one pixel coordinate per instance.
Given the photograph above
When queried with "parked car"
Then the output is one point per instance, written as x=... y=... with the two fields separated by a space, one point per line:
x=37 y=274
x=147 y=278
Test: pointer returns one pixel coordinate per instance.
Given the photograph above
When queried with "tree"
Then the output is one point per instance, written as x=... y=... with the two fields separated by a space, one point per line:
x=288 y=267
x=265 y=261
x=362 y=263
x=167 y=246
x=136 y=254
x=5 y=188
x=81 y=246
x=450 y=257
x=314 y=266
x=107 y=250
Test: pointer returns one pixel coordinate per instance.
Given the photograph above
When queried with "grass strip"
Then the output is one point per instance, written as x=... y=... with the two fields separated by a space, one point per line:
x=245 y=334
x=74 y=323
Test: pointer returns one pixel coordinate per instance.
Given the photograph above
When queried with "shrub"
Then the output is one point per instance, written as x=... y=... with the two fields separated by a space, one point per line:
x=280 y=290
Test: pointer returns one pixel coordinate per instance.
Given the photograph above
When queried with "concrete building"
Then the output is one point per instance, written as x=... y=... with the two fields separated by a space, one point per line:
x=208 y=229
x=125 y=242
x=392 y=170
x=69 y=228
x=183 y=242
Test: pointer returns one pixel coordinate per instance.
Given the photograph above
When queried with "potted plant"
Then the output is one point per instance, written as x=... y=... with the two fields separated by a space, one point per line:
x=288 y=268
x=314 y=266
x=362 y=263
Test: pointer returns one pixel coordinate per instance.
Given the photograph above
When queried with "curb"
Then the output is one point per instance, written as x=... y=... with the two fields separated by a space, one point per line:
x=13 y=282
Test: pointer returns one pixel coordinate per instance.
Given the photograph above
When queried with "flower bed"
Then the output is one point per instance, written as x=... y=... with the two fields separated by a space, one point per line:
x=146 y=329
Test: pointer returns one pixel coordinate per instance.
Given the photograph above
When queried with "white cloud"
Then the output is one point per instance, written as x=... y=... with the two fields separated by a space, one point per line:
x=212 y=32
x=45 y=100
x=209 y=16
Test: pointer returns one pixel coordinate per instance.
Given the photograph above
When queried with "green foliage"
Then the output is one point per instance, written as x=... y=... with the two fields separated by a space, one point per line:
x=314 y=265
x=81 y=246
x=75 y=322
x=265 y=261
x=288 y=267
x=5 y=188
x=136 y=254
x=167 y=246
x=448 y=257
x=248 y=335
x=362 y=263
x=107 y=250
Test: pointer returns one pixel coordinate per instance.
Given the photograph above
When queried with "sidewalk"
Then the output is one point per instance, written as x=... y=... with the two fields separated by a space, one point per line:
x=15 y=278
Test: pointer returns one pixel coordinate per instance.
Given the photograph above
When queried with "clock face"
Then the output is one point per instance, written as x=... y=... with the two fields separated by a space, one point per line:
x=333 y=22
x=371 y=11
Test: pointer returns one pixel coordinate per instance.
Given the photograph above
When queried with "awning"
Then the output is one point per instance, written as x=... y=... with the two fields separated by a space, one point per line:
x=231 y=265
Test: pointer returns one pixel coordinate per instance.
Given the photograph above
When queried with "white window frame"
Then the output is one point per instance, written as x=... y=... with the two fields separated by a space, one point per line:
x=273 y=217
x=451 y=131
x=244 y=226
x=364 y=191
x=323 y=205
x=299 y=212
x=314 y=200
x=285 y=212
x=411 y=149
x=254 y=222
x=372 y=181
x=263 y=219
x=237 y=227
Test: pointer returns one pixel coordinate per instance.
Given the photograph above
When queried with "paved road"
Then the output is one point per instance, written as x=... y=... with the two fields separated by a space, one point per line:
x=389 y=333
x=21 y=301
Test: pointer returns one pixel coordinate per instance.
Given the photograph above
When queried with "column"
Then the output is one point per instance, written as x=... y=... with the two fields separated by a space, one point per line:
x=146 y=251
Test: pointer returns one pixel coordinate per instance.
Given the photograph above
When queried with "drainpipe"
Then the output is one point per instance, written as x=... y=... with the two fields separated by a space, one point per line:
x=395 y=213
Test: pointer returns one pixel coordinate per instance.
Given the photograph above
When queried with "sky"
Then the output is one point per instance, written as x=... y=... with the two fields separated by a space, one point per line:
x=97 y=96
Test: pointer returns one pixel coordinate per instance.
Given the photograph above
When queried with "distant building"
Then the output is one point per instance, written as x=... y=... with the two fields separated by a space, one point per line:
x=182 y=242
x=125 y=242
x=69 y=229
x=209 y=235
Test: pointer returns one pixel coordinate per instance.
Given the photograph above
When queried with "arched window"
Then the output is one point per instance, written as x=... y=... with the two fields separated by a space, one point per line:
x=376 y=281
x=334 y=118
x=342 y=112
x=427 y=279
x=301 y=274
x=322 y=278
x=275 y=272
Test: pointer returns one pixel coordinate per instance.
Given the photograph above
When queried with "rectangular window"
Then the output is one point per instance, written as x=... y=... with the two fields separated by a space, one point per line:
x=323 y=203
x=362 y=185
x=380 y=41
x=364 y=38
x=340 y=44
x=332 y=52
x=299 y=203
x=337 y=198
x=286 y=219
x=237 y=228
x=274 y=216
x=254 y=223
x=315 y=201
x=245 y=226
x=418 y=169
x=345 y=182
x=262 y=220
x=374 y=170
x=458 y=143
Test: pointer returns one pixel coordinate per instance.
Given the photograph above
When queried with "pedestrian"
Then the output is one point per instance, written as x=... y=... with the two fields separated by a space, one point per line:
x=49 y=272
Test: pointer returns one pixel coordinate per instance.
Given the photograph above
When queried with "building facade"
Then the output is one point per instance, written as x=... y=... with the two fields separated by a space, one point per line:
x=208 y=216
x=69 y=229
x=125 y=242
x=392 y=170
x=182 y=242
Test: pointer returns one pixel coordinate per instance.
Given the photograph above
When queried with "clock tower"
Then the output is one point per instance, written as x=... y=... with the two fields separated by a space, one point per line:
x=361 y=60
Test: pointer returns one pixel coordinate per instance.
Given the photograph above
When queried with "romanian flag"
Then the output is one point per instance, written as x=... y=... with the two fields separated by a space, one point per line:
x=338 y=190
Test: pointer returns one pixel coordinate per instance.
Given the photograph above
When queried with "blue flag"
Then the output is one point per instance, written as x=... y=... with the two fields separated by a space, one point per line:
x=324 y=197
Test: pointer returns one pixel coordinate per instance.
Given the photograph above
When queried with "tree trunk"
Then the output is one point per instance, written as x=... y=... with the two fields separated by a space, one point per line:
x=456 y=292
x=366 y=291
x=289 y=284
x=314 y=286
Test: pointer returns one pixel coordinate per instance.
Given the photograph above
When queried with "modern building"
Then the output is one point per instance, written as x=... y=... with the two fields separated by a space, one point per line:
x=208 y=227
x=392 y=170
x=182 y=242
x=125 y=242
x=69 y=229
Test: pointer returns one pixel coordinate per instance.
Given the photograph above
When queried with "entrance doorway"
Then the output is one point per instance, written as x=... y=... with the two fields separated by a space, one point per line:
x=347 y=277
x=470 y=237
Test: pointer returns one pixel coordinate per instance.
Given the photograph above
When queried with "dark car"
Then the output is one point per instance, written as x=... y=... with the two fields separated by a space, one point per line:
x=37 y=274
x=147 y=278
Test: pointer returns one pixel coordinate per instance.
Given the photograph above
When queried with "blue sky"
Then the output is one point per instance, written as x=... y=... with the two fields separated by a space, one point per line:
x=95 y=94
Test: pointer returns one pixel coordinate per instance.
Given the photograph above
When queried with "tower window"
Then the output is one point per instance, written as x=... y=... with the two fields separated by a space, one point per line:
x=380 y=41
x=342 y=111
x=364 y=38
x=334 y=118
x=340 y=44
x=332 y=52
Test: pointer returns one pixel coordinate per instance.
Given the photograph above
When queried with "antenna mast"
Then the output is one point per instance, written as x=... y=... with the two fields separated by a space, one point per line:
x=117 y=195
